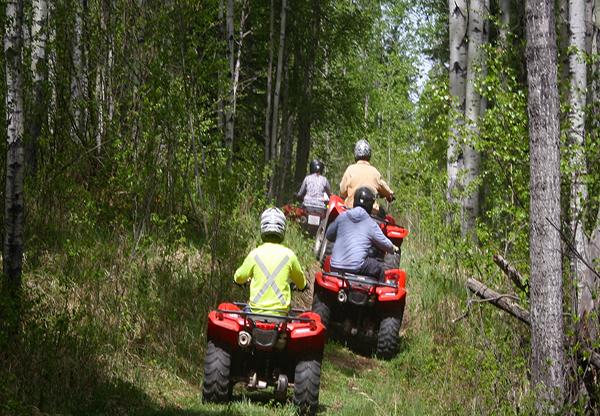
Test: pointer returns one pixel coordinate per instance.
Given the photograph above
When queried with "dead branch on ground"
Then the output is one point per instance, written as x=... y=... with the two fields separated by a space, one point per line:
x=511 y=272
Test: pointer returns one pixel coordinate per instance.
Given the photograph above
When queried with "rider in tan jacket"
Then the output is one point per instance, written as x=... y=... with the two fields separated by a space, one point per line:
x=363 y=174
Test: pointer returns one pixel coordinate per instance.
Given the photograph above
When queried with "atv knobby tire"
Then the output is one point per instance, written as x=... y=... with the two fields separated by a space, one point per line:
x=321 y=307
x=389 y=333
x=216 y=386
x=307 y=380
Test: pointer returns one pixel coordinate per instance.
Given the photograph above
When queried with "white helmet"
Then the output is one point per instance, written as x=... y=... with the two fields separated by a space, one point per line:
x=272 y=222
x=362 y=150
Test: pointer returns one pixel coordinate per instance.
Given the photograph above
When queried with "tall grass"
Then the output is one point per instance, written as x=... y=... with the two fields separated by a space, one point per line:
x=112 y=325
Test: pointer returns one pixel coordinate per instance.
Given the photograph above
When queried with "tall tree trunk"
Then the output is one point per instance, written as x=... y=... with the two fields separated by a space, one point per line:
x=275 y=122
x=458 y=76
x=576 y=140
x=79 y=77
x=220 y=101
x=269 y=84
x=39 y=71
x=229 y=115
x=547 y=325
x=287 y=129
x=563 y=43
x=237 y=69
x=504 y=6
x=14 y=193
x=304 y=113
x=470 y=202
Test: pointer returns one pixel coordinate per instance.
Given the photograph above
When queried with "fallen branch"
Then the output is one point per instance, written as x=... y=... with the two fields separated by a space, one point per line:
x=500 y=301
x=511 y=272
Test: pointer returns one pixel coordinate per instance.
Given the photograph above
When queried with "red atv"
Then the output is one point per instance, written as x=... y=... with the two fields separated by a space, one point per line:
x=262 y=351
x=395 y=233
x=361 y=310
x=308 y=217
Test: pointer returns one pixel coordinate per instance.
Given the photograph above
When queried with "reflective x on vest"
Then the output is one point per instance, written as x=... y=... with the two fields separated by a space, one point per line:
x=270 y=279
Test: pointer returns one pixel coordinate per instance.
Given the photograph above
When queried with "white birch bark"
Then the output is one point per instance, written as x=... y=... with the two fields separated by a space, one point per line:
x=504 y=6
x=38 y=35
x=548 y=376
x=563 y=43
x=576 y=140
x=14 y=191
x=470 y=202
x=458 y=75
x=78 y=81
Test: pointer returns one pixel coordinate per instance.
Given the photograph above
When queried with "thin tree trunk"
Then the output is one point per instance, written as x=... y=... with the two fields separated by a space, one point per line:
x=304 y=114
x=576 y=139
x=269 y=86
x=220 y=105
x=547 y=324
x=563 y=43
x=458 y=76
x=229 y=115
x=470 y=203
x=286 y=131
x=504 y=6
x=14 y=193
x=39 y=71
x=276 y=92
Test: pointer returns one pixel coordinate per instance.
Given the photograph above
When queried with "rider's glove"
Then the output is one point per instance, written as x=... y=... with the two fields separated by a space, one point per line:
x=294 y=287
x=392 y=197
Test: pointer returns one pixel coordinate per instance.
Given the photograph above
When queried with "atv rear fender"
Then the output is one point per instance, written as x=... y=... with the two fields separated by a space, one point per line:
x=384 y=293
x=304 y=333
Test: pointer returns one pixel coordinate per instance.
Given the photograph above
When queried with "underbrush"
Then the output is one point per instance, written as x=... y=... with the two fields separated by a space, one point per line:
x=116 y=325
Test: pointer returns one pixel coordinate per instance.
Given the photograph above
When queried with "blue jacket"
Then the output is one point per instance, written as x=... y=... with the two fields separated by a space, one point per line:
x=354 y=232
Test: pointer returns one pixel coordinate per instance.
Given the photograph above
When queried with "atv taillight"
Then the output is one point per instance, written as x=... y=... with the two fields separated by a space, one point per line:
x=265 y=325
x=219 y=315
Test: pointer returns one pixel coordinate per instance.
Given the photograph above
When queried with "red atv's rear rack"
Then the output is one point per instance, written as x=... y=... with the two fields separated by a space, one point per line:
x=307 y=217
x=264 y=350
x=238 y=328
x=390 y=291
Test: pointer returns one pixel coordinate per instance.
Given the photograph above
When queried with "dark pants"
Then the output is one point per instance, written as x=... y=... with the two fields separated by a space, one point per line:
x=371 y=267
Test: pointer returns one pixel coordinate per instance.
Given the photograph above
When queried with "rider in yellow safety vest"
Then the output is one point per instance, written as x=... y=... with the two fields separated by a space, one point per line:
x=270 y=267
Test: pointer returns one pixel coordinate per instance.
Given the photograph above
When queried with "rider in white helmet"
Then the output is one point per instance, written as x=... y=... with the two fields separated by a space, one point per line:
x=362 y=174
x=270 y=267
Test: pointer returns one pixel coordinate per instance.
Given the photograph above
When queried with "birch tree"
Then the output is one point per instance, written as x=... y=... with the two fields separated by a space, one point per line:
x=576 y=143
x=458 y=76
x=547 y=325
x=472 y=157
x=14 y=191
x=504 y=6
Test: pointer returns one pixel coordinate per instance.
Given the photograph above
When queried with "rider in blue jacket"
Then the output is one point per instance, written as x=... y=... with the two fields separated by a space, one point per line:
x=354 y=232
